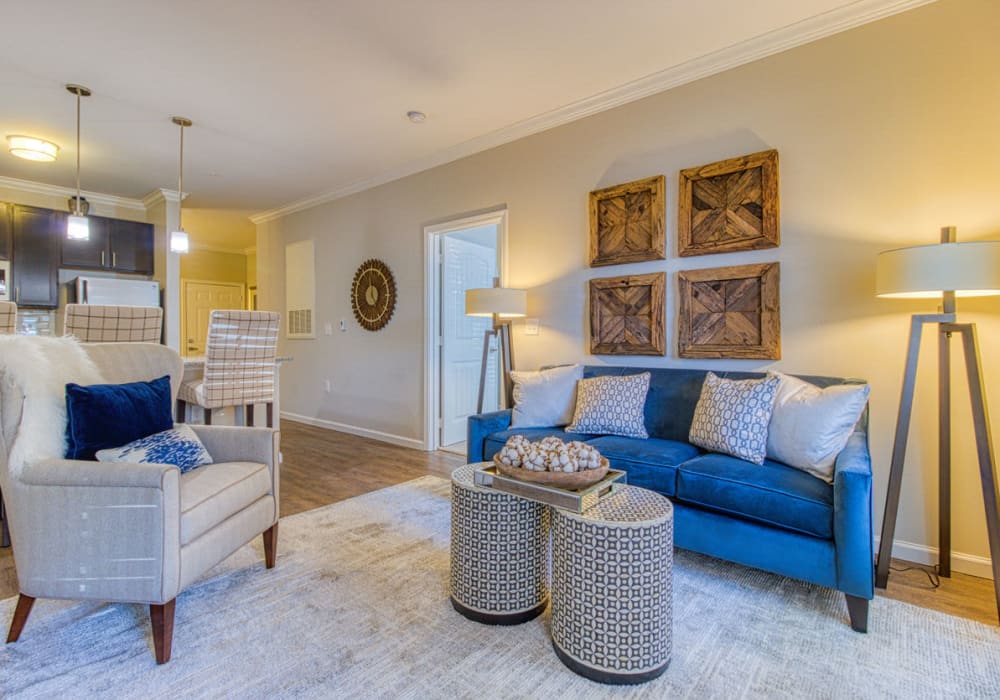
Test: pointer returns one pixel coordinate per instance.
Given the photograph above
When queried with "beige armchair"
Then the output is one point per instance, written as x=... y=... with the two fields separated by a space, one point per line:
x=137 y=533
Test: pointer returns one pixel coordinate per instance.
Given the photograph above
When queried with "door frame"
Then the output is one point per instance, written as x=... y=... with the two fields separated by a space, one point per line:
x=184 y=284
x=432 y=305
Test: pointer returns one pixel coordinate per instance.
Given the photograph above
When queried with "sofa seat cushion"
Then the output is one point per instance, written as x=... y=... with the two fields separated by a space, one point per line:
x=650 y=463
x=213 y=493
x=494 y=441
x=771 y=493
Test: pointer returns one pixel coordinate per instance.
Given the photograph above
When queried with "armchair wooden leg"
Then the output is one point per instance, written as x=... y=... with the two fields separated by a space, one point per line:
x=857 y=608
x=181 y=411
x=270 y=414
x=162 y=618
x=270 y=545
x=208 y=416
x=21 y=612
x=249 y=412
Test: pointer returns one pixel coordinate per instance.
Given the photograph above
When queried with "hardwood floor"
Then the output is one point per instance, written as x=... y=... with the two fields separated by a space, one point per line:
x=322 y=467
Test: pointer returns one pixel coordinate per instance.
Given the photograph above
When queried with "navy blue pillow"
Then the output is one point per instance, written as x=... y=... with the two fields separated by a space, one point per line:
x=112 y=415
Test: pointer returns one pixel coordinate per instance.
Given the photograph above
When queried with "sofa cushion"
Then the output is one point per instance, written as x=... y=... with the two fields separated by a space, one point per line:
x=494 y=441
x=771 y=493
x=651 y=463
x=215 y=492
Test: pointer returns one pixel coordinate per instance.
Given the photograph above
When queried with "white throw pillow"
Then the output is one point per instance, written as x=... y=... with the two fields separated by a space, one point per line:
x=732 y=416
x=810 y=426
x=546 y=398
x=178 y=446
x=611 y=406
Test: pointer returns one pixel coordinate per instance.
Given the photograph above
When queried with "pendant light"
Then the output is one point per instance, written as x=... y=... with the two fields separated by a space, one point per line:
x=179 y=242
x=77 y=226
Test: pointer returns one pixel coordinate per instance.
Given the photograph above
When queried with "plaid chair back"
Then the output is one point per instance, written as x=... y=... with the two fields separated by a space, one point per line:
x=240 y=354
x=8 y=317
x=94 y=323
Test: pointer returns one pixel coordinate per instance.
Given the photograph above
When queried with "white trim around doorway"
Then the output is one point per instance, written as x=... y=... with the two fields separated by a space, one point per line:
x=432 y=274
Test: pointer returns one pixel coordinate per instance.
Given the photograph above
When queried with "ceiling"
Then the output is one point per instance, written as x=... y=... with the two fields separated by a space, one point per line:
x=295 y=99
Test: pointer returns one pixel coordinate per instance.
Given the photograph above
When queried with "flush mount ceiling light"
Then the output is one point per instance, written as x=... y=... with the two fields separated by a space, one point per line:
x=179 y=242
x=77 y=226
x=31 y=148
x=416 y=117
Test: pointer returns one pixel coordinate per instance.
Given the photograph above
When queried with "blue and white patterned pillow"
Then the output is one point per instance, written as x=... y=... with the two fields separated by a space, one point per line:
x=178 y=446
x=611 y=406
x=732 y=416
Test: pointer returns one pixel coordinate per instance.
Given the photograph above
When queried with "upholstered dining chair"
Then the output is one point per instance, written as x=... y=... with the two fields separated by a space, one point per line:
x=8 y=317
x=97 y=323
x=127 y=532
x=240 y=354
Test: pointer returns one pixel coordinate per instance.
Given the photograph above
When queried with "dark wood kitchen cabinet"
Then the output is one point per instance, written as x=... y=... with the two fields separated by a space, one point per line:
x=35 y=241
x=114 y=246
x=6 y=224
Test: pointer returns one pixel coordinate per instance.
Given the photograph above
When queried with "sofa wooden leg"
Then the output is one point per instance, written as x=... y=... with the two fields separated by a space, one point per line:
x=181 y=411
x=162 y=617
x=270 y=545
x=857 y=608
x=21 y=612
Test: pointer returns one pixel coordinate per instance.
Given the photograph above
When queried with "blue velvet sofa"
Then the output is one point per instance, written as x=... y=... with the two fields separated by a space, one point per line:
x=771 y=517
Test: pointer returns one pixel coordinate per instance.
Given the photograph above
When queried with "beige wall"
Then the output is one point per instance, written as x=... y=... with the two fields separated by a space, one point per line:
x=214 y=266
x=885 y=133
x=252 y=268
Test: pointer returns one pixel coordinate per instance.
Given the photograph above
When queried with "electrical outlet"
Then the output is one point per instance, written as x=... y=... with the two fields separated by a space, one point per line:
x=343 y=325
x=531 y=326
x=327 y=386
x=328 y=329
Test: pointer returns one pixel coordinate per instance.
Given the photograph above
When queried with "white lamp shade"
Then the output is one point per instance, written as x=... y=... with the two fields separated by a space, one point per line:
x=506 y=303
x=77 y=228
x=179 y=242
x=31 y=148
x=924 y=272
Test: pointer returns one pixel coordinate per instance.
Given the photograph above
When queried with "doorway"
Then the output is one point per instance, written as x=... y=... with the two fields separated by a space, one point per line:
x=465 y=254
x=200 y=298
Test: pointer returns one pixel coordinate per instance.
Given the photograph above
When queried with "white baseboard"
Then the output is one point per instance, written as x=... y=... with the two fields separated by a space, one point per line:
x=960 y=561
x=356 y=430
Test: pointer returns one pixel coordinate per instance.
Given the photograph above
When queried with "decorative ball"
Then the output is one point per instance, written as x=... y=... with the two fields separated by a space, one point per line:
x=587 y=456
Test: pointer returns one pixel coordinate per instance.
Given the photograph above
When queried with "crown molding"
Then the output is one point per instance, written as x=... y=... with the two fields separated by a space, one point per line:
x=209 y=248
x=95 y=198
x=770 y=43
x=161 y=195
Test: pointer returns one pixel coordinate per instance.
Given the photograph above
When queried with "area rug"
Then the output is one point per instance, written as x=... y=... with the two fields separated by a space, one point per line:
x=357 y=607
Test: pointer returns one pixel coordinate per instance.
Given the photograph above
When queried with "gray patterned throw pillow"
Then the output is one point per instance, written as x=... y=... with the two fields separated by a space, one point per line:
x=611 y=406
x=732 y=416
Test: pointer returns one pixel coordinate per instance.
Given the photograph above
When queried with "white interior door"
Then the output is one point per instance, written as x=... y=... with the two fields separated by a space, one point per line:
x=465 y=265
x=200 y=298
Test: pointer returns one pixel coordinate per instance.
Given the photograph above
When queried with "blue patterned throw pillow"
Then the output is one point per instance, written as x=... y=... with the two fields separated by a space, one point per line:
x=611 y=406
x=732 y=416
x=178 y=446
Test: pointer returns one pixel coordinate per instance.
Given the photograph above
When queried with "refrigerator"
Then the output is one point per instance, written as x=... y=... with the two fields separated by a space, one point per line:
x=117 y=292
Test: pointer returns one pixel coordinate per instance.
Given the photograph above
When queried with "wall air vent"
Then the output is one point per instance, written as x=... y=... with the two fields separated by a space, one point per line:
x=300 y=290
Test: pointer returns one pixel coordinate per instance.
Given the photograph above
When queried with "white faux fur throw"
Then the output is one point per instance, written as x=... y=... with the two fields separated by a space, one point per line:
x=41 y=367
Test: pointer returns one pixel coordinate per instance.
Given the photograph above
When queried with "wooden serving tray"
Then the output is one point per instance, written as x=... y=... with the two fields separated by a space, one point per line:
x=488 y=476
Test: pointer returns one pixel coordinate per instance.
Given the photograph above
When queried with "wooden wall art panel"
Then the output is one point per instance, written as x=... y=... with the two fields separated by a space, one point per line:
x=728 y=206
x=626 y=315
x=627 y=223
x=730 y=312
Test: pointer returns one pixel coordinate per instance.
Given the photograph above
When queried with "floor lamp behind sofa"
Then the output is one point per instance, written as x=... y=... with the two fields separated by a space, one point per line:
x=502 y=305
x=944 y=271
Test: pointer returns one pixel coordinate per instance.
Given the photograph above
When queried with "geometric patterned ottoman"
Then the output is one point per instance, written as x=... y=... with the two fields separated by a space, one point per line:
x=499 y=553
x=612 y=587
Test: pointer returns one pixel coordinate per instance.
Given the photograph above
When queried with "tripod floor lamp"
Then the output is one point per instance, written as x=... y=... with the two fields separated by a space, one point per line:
x=944 y=271
x=502 y=304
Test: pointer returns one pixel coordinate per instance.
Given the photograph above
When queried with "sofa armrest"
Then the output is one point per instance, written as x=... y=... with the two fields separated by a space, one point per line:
x=852 y=520
x=97 y=531
x=479 y=427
